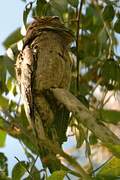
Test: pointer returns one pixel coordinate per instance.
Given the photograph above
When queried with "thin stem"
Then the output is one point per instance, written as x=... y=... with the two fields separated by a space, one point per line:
x=88 y=152
x=78 y=15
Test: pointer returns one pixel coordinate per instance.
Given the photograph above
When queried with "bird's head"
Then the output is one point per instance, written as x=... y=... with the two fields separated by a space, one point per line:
x=48 y=23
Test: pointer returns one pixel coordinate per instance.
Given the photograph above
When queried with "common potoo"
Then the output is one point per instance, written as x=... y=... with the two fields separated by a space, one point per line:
x=44 y=63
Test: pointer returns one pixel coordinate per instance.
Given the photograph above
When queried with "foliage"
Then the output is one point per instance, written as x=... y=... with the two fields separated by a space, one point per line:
x=95 y=26
x=111 y=169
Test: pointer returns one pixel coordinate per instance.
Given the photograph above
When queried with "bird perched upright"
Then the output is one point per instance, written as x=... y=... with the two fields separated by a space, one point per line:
x=44 y=63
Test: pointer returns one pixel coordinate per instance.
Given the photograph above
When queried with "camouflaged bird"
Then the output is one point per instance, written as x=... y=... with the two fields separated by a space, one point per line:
x=44 y=63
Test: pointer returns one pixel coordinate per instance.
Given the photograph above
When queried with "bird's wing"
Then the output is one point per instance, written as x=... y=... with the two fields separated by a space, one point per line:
x=24 y=72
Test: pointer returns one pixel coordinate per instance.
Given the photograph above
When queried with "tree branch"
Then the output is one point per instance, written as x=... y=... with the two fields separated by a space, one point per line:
x=84 y=116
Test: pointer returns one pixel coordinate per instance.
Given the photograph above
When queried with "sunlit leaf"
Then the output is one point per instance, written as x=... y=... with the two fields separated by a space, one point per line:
x=115 y=149
x=9 y=84
x=57 y=175
x=2 y=138
x=3 y=102
x=112 y=168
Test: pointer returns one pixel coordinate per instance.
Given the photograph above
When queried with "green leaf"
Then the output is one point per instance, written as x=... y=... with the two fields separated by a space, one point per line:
x=92 y=139
x=9 y=84
x=35 y=173
x=19 y=170
x=110 y=116
x=115 y=149
x=73 y=3
x=3 y=167
x=62 y=4
x=112 y=168
x=102 y=36
x=108 y=13
x=2 y=138
x=117 y=25
x=57 y=175
x=111 y=72
x=83 y=99
x=58 y=8
x=9 y=64
x=3 y=102
x=2 y=75
x=92 y=20
x=1 y=122
x=90 y=60
x=106 y=178
x=26 y=12
x=13 y=38
x=40 y=9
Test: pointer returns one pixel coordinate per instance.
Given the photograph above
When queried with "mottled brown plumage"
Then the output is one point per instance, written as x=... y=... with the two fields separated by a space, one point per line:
x=44 y=63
